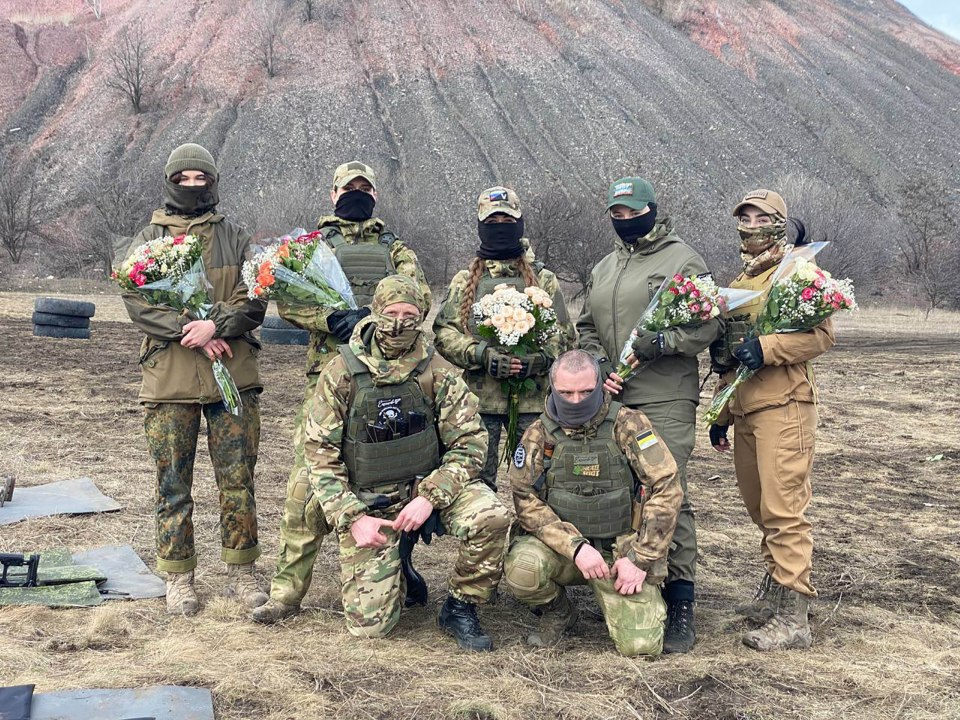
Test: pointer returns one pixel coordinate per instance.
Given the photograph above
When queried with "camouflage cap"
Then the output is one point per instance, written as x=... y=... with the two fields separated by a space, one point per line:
x=634 y=192
x=498 y=199
x=398 y=289
x=351 y=170
x=767 y=200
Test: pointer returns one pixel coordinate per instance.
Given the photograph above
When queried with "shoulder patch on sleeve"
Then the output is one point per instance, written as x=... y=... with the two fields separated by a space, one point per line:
x=520 y=456
x=646 y=440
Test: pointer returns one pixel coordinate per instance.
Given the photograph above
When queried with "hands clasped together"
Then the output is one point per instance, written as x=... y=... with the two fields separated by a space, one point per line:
x=366 y=530
x=629 y=578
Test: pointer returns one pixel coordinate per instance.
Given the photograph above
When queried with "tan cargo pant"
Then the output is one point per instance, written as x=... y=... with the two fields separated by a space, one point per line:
x=773 y=455
x=534 y=574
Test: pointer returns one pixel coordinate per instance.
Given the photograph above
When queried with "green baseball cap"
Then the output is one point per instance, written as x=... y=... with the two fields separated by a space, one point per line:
x=634 y=192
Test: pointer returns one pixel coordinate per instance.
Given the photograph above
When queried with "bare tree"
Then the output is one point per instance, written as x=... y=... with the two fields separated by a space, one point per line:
x=309 y=10
x=278 y=209
x=96 y=7
x=268 y=33
x=21 y=205
x=129 y=73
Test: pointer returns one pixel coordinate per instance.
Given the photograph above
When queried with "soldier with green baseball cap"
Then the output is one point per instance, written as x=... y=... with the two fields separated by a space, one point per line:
x=367 y=252
x=667 y=389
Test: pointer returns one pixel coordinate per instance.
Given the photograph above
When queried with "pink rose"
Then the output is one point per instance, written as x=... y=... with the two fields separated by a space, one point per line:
x=689 y=287
x=678 y=278
x=808 y=293
x=706 y=307
x=695 y=307
x=675 y=291
x=695 y=293
x=818 y=283
x=140 y=280
x=178 y=240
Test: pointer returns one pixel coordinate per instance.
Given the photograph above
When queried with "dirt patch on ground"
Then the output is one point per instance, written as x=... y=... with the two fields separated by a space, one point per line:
x=887 y=560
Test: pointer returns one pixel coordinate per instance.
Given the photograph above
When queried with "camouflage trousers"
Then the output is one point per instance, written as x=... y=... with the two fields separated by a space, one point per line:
x=494 y=424
x=675 y=422
x=535 y=574
x=172 y=430
x=302 y=527
x=372 y=585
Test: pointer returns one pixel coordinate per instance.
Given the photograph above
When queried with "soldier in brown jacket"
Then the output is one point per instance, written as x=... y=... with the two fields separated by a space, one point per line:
x=775 y=421
x=178 y=386
x=597 y=497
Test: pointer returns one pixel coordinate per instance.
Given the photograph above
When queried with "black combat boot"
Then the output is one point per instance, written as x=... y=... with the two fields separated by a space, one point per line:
x=416 y=585
x=681 y=633
x=459 y=618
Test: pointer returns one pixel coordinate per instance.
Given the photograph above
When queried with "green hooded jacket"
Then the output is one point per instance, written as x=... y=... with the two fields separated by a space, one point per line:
x=621 y=286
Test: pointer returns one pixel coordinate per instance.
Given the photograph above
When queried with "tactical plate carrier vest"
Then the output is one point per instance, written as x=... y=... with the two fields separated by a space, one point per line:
x=589 y=482
x=399 y=460
x=364 y=263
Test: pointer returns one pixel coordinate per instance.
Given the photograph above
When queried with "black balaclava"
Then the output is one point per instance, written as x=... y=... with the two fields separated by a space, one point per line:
x=190 y=201
x=500 y=241
x=630 y=231
x=355 y=205
x=571 y=414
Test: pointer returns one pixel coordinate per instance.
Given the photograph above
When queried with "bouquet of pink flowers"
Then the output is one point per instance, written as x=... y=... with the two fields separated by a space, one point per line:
x=800 y=297
x=299 y=269
x=169 y=271
x=681 y=301
x=521 y=322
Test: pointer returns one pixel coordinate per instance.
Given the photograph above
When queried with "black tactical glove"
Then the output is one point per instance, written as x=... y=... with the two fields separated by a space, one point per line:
x=718 y=433
x=750 y=354
x=533 y=365
x=342 y=322
x=496 y=364
x=648 y=345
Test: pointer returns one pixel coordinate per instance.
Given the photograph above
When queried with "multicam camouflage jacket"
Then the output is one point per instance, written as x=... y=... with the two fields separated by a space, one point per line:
x=459 y=345
x=651 y=462
x=323 y=345
x=458 y=424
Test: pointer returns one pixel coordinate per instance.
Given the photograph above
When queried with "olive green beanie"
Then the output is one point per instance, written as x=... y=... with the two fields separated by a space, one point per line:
x=191 y=156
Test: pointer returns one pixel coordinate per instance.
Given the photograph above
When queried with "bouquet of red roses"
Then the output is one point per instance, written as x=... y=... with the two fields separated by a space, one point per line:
x=800 y=297
x=169 y=271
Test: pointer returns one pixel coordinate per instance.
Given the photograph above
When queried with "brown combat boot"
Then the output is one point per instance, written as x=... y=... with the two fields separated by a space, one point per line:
x=759 y=610
x=556 y=618
x=274 y=611
x=181 y=597
x=789 y=627
x=243 y=585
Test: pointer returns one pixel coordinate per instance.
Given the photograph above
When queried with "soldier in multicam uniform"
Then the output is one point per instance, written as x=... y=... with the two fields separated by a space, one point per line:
x=504 y=256
x=774 y=415
x=392 y=436
x=367 y=252
x=597 y=496
x=178 y=386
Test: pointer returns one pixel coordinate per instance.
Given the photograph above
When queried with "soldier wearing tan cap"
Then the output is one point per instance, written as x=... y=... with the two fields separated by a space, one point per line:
x=368 y=252
x=775 y=419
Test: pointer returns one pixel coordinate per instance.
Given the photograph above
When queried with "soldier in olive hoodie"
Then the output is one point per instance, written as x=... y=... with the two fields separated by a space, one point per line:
x=667 y=389
x=178 y=386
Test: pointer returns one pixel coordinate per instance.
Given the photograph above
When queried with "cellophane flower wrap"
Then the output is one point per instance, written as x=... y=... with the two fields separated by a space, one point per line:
x=519 y=323
x=680 y=301
x=169 y=272
x=800 y=297
x=299 y=269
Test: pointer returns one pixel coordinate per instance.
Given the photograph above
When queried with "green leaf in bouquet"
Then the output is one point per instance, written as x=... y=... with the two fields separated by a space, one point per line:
x=667 y=298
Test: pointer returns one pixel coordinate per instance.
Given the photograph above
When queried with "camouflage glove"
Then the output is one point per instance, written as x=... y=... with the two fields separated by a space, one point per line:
x=750 y=354
x=648 y=345
x=534 y=365
x=720 y=358
x=496 y=363
x=342 y=322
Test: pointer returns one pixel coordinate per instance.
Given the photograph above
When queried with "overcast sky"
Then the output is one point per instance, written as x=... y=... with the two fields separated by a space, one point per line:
x=944 y=15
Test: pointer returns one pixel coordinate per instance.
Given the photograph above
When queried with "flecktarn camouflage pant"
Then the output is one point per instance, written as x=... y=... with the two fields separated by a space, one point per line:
x=372 y=584
x=535 y=573
x=172 y=430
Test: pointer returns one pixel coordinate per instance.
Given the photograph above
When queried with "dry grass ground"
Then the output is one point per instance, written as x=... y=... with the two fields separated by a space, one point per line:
x=887 y=561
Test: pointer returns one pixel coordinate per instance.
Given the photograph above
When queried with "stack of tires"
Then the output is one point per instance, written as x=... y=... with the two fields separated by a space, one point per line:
x=278 y=331
x=60 y=318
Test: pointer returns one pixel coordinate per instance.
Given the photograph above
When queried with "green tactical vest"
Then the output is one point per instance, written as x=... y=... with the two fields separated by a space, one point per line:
x=401 y=460
x=364 y=263
x=589 y=482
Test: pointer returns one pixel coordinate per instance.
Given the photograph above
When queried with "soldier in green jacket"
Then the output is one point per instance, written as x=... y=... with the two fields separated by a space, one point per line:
x=597 y=497
x=367 y=252
x=392 y=436
x=178 y=386
x=667 y=389
x=501 y=258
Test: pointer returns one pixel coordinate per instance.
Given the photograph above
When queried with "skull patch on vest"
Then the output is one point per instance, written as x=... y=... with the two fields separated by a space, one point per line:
x=388 y=409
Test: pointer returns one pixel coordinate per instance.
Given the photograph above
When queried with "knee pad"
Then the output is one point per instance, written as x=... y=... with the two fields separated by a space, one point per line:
x=524 y=572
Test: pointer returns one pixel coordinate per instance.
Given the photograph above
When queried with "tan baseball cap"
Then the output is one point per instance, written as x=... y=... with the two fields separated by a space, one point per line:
x=767 y=200
x=498 y=199
x=351 y=170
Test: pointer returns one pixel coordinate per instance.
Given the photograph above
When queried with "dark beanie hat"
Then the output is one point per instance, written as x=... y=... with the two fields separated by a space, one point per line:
x=191 y=156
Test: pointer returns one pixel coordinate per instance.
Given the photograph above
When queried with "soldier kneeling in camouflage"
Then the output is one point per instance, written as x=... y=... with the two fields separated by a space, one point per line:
x=597 y=495
x=392 y=435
